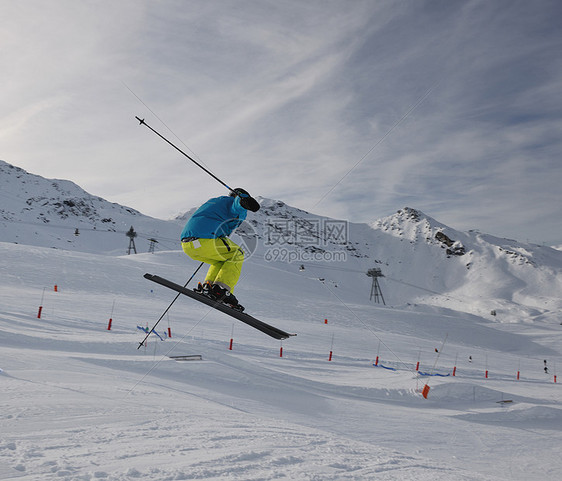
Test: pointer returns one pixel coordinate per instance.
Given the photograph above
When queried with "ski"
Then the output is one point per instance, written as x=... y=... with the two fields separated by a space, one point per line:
x=241 y=316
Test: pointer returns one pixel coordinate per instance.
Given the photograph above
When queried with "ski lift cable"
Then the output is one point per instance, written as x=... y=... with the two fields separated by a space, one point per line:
x=343 y=269
x=409 y=284
x=396 y=124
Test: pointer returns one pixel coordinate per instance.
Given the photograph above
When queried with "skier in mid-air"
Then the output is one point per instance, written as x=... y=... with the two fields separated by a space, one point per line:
x=205 y=238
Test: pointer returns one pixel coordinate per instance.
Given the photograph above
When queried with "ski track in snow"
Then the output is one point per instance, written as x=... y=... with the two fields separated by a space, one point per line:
x=80 y=430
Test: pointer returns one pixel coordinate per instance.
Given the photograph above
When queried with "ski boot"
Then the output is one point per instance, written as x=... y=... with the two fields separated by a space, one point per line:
x=223 y=295
x=203 y=288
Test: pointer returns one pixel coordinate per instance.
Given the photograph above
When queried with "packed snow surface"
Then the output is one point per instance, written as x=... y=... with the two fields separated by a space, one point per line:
x=80 y=401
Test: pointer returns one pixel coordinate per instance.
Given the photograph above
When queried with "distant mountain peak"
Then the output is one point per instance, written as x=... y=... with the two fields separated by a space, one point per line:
x=415 y=226
x=411 y=214
x=278 y=207
x=60 y=214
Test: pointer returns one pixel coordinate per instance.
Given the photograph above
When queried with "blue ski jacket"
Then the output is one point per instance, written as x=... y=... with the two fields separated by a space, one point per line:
x=218 y=217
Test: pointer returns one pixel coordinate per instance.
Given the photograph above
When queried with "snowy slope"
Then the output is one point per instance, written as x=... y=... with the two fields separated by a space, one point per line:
x=81 y=402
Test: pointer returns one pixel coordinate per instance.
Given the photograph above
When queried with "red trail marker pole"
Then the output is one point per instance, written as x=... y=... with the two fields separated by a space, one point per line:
x=169 y=328
x=425 y=391
x=41 y=305
x=378 y=352
x=111 y=316
x=231 y=338
x=455 y=365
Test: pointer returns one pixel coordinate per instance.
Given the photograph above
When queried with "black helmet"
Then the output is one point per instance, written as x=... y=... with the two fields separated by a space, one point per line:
x=239 y=191
x=246 y=200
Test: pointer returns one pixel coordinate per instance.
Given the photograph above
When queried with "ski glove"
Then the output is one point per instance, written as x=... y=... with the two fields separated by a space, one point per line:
x=249 y=203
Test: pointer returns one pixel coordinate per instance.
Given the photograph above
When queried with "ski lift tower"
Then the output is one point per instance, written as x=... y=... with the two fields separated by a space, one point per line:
x=131 y=234
x=153 y=242
x=376 y=292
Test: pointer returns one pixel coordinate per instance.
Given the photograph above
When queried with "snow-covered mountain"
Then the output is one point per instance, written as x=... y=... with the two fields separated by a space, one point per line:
x=422 y=260
x=59 y=214
x=477 y=272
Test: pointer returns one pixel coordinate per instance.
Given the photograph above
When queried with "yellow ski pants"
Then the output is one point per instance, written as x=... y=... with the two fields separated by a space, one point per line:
x=224 y=256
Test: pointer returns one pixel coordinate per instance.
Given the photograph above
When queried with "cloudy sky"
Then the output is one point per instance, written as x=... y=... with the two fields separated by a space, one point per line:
x=348 y=108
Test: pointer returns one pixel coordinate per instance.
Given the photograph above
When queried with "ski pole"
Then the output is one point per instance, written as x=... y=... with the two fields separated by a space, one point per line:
x=168 y=308
x=142 y=122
